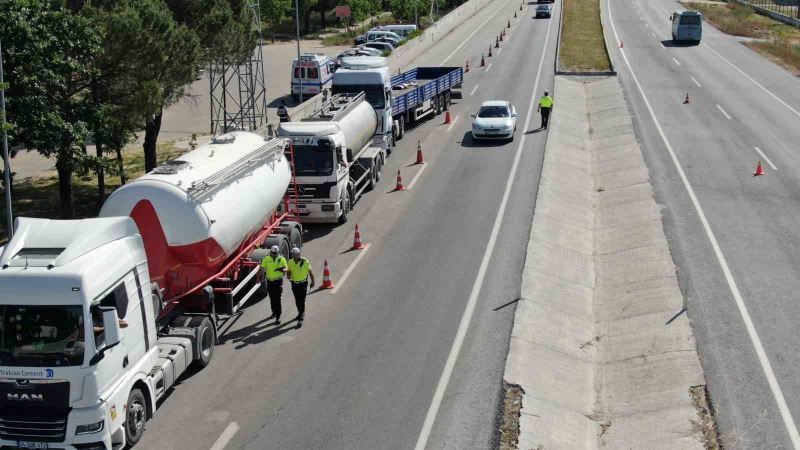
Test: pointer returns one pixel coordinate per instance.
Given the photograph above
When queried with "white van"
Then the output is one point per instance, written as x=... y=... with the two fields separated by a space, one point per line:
x=402 y=30
x=314 y=72
x=687 y=26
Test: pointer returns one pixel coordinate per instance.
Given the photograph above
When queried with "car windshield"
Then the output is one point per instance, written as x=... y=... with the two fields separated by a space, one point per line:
x=41 y=336
x=374 y=92
x=314 y=159
x=493 y=111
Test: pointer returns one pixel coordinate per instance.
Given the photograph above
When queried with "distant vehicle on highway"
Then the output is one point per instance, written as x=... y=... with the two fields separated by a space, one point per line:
x=497 y=119
x=687 y=26
x=544 y=11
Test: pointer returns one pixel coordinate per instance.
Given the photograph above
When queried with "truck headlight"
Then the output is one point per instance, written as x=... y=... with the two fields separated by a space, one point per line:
x=90 y=428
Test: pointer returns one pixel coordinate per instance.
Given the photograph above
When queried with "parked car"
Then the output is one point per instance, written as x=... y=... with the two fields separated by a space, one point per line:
x=544 y=11
x=496 y=119
x=395 y=43
x=382 y=46
x=375 y=34
x=373 y=51
x=402 y=30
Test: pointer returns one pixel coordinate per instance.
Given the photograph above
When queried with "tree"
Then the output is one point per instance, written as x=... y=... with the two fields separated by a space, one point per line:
x=48 y=55
x=273 y=12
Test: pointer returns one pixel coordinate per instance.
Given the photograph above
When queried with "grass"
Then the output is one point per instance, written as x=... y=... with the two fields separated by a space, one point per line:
x=582 y=47
x=776 y=40
x=38 y=197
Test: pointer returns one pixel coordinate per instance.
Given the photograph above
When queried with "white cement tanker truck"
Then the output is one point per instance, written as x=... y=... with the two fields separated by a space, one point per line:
x=99 y=317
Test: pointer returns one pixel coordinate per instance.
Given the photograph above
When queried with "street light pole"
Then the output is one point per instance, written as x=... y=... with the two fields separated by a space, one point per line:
x=299 y=69
x=7 y=163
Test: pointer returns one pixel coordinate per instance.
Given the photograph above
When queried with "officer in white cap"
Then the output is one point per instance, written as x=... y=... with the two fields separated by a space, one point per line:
x=299 y=274
x=274 y=266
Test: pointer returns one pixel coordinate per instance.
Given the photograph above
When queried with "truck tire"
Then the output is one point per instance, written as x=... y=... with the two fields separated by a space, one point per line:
x=295 y=239
x=281 y=241
x=205 y=336
x=401 y=127
x=447 y=101
x=373 y=176
x=344 y=204
x=435 y=106
x=135 y=417
x=378 y=171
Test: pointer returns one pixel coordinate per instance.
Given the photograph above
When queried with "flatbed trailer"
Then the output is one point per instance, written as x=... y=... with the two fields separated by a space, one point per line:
x=420 y=91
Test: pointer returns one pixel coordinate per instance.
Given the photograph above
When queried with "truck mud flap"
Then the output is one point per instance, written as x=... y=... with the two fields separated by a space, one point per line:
x=456 y=94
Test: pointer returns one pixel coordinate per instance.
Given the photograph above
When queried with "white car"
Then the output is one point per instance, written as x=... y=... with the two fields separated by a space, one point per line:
x=497 y=119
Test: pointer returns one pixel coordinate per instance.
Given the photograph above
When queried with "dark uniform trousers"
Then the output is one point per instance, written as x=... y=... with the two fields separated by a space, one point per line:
x=545 y=116
x=300 y=290
x=275 y=290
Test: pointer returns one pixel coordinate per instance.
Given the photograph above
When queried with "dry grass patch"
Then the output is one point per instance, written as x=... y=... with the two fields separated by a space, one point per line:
x=582 y=47
x=509 y=426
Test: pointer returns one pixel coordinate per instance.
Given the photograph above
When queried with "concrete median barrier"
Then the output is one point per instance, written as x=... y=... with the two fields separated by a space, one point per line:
x=601 y=344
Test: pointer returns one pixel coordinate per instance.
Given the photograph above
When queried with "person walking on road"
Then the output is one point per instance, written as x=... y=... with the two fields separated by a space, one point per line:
x=274 y=268
x=299 y=274
x=545 y=105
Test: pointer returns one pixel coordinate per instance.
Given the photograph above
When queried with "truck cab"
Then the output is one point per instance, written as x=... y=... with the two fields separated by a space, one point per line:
x=687 y=26
x=75 y=308
x=369 y=75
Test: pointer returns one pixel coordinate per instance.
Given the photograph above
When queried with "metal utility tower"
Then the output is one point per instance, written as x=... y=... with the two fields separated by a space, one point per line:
x=238 y=89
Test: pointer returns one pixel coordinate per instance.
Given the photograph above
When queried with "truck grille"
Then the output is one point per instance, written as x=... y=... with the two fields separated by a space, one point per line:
x=33 y=429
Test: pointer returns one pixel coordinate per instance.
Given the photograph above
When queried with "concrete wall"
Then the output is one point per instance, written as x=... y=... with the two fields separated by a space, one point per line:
x=601 y=345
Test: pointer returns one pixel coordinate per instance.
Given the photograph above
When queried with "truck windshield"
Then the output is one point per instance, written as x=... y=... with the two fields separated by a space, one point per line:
x=373 y=92
x=314 y=159
x=41 y=336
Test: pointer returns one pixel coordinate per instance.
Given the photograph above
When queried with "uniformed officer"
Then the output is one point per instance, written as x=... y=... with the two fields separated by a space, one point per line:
x=299 y=273
x=274 y=266
x=283 y=112
x=545 y=105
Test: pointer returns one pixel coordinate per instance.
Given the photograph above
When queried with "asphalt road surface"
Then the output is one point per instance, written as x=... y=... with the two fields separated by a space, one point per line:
x=735 y=236
x=363 y=370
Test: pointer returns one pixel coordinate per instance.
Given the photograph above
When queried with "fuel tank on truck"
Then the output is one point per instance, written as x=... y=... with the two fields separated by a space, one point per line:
x=195 y=212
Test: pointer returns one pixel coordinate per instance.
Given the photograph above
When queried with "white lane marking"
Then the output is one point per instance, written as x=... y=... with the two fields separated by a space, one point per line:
x=452 y=124
x=499 y=50
x=474 y=89
x=654 y=36
x=466 y=318
x=349 y=270
x=676 y=61
x=723 y=112
x=754 y=81
x=696 y=82
x=473 y=34
x=765 y=158
x=488 y=67
x=416 y=177
x=662 y=44
x=226 y=436
x=763 y=360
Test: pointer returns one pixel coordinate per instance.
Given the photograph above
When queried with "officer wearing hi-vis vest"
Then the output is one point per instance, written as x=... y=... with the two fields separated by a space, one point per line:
x=274 y=266
x=299 y=273
x=545 y=105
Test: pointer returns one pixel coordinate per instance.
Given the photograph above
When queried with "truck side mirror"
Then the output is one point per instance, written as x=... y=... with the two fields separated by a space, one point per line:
x=110 y=330
x=473 y=115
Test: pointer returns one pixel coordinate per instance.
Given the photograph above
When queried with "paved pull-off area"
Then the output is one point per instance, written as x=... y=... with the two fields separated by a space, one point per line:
x=601 y=345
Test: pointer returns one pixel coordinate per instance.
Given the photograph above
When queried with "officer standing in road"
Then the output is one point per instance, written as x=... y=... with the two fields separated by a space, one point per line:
x=283 y=112
x=274 y=267
x=545 y=105
x=299 y=273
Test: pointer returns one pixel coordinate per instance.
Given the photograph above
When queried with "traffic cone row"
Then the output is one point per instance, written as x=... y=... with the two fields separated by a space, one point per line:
x=327 y=283
x=420 y=158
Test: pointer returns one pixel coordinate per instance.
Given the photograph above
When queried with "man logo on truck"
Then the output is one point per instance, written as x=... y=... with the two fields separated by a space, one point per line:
x=25 y=397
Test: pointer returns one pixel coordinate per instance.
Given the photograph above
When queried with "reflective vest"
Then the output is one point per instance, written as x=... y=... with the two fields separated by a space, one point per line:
x=271 y=267
x=546 y=102
x=298 y=271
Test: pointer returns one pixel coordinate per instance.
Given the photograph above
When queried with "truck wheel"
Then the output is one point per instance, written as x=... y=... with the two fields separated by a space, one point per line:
x=372 y=176
x=378 y=171
x=155 y=293
x=135 y=417
x=205 y=334
x=435 y=107
x=344 y=204
x=447 y=100
x=401 y=128
x=295 y=239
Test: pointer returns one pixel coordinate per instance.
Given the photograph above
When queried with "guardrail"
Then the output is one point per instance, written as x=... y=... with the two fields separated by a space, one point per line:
x=787 y=11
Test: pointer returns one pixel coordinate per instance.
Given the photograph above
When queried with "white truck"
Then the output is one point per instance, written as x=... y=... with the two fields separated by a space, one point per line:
x=100 y=317
x=339 y=152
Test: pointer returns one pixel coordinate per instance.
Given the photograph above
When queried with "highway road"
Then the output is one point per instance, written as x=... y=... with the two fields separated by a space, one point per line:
x=409 y=348
x=734 y=236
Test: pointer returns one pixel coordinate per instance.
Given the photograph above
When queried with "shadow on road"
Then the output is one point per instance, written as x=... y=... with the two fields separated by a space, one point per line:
x=537 y=130
x=507 y=304
x=257 y=333
x=671 y=43
x=470 y=142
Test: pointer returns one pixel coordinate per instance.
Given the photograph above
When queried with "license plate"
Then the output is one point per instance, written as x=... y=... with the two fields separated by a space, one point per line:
x=27 y=444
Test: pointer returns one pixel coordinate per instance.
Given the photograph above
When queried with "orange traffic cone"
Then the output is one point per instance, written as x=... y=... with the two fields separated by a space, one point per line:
x=502 y=33
x=420 y=158
x=509 y=23
x=483 y=61
x=399 y=186
x=497 y=42
x=686 y=100
x=327 y=283
x=515 y=14
x=466 y=68
x=357 y=245
x=490 y=51
x=759 y=170
x=447 y=120
x=621 y=44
